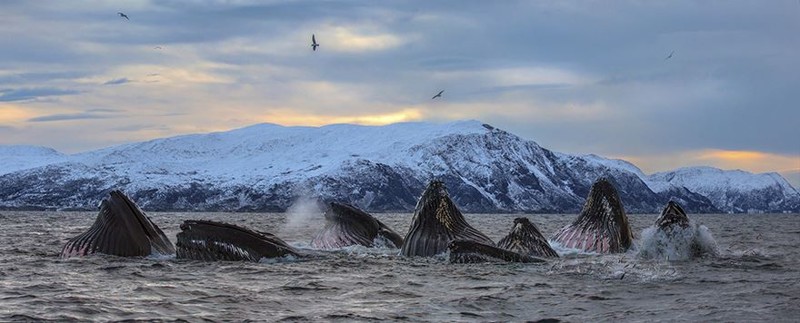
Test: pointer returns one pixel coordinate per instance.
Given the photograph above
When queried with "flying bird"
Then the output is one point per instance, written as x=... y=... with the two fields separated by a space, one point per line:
x=123 y=15
x=438 y=95
x=157 y=47
x=314 y=44
x=670 y=55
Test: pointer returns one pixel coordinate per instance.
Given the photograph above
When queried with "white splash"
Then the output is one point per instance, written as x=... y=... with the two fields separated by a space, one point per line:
x=677 y=244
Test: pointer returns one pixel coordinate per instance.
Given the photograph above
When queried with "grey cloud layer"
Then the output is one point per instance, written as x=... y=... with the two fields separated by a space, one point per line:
x=730 y=84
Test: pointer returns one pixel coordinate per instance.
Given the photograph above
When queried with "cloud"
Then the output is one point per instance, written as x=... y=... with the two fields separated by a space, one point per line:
x=11 y=114
x=355 y=40
x=11 y=95
x=294 y=118
x=103 y=110
x=598 y=84
x=27 y=77
x=69 y=116
x=753 y=161
x=117 y=81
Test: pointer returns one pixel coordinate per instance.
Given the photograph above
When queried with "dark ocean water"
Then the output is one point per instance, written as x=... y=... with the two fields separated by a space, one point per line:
x=753 y=278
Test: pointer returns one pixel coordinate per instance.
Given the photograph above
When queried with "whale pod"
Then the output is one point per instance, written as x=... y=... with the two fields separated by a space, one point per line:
x=436 y=222
x=602 y=225
x=210 y=241
x=120 y=229
x=526 y=239
x=346 y=225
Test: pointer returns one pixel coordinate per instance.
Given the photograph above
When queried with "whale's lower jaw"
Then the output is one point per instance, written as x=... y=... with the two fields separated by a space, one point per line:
x=120 y=229
x=437 y=222
x=346 y=225
x=673 y=215
x=429 y=237
x=526 y=239
x=602 y=226
x=589 y=241
x=212 y=241
x=476 y=252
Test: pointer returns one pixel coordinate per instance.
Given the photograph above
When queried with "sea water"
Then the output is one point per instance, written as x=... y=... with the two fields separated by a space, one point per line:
x=752 y=276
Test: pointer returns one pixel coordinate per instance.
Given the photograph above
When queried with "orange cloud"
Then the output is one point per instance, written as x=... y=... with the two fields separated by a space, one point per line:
x=10 y=114
x=752 y=161
x=297 y=119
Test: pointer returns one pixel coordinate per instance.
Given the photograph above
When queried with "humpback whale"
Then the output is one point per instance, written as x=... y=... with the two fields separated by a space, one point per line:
x=673 y=237
x=437 y=222
x=465 y=251
x=672 y=217
x=526 y=239
x=346 y=225
x=209 y=240
x=121 y=229
x=602 y=225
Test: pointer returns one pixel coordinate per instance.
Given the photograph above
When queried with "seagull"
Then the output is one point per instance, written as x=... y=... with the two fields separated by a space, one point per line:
x=157 y=47
x=314 y=44
x=670 y=55
x=438 y=95
x=123 y=15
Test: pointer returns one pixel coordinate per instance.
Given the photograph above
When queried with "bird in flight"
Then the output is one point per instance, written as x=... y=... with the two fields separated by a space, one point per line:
x=157 y=47
x=438 y=95
x=314 y=44
x=670 y=55
x=123 y=15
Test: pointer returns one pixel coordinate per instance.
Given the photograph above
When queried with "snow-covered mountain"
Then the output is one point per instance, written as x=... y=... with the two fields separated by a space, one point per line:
x=267 y=167
x=733 y=191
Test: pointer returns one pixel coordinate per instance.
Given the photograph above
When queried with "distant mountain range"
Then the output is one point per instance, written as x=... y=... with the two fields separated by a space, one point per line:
x=267 y=167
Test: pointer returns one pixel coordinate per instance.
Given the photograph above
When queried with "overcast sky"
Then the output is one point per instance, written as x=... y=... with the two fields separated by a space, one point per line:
x=575 y=76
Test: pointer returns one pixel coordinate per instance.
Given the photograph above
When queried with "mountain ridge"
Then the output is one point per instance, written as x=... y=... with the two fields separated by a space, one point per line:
x=265 y=167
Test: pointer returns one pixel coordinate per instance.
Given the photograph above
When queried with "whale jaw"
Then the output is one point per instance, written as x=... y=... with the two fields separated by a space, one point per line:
x=463 y=251
x=212 y=241
x=120 y=229
x=672 y=216
x=346 y=225
x=436 y=222
x=602 y=226
x=526 y=239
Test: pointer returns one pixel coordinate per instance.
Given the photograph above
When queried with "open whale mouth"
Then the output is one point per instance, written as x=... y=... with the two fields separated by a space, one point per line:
x=672 y=215
x=436 y=222
x=121 y=229
x=602 y=226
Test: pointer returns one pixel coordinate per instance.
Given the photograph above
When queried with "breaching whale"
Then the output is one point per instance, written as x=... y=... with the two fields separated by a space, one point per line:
x=209 y=240
x=121 y=229
x=602 y=225
x=526 y=239
x=346 y=225
x=465 y=251
x=437 y=222
x=674 y=237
